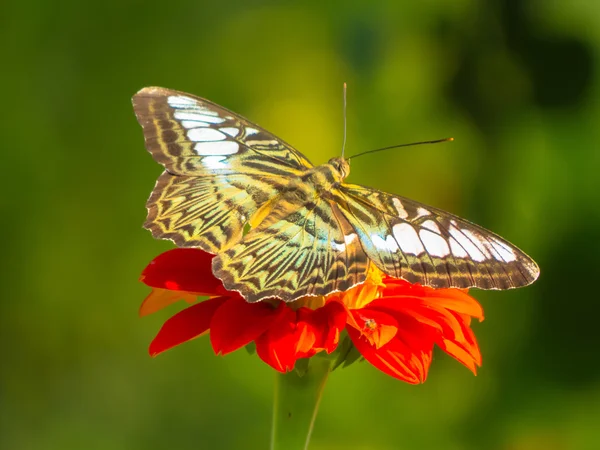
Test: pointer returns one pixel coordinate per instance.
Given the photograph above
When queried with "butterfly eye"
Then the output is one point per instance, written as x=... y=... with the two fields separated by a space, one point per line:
x=336 y=164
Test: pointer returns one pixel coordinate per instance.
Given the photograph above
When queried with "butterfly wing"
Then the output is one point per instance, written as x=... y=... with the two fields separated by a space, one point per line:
x=425 y=245
x=220 y=168
x=301 y=248
x=208 y=211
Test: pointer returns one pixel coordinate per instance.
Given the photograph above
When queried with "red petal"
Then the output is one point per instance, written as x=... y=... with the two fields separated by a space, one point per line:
x=453 y=329
x=183 y=269
x=277 y=346
x=449 y=325
x=435 y=318
x=426 y=315
x=237 y=323
x=411 y=307
x=336 y=321
x=161 y=298
x=185 y=325
x=419 y=338
x=377 y=327
x=462 y=346
x=324 y=324
x=446 y=321
x=449 y=329
x=308 y=332
x=455 y=299
x=460 y=354
x=395 y=358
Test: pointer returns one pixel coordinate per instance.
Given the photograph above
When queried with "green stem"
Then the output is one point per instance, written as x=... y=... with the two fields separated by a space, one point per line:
x=296 y=404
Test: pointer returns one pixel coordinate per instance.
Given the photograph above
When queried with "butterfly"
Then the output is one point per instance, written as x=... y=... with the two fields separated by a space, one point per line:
x=281 y=227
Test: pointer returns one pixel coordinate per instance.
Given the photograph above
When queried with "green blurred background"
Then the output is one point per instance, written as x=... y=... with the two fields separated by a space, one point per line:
x=515 y=83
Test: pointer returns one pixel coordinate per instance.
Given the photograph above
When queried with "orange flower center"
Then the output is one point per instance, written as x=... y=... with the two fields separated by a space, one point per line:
x=354 y=298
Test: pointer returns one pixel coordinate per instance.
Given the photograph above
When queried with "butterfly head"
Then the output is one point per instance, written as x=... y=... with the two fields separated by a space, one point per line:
x=341 y=165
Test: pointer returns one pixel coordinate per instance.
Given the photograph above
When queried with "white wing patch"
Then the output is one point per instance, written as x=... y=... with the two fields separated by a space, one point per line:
x=431 y=226
x=338 y=247
x=215 y=162
x=399 y=208
x=506 y=253
x=435 y=244
x=422 y=212
x=183 y=102
x=231 y=131
x=498 y=251
x=462 y=244
x=408 y=239
x=180 y=101
x=192 y=124
x=457 y=250
x=192 y=115
x=250 y=131
x=389 y=244
x=205 y=134
x=474 y=239
x=468 y=241
x=350 y=238
x=216 y=148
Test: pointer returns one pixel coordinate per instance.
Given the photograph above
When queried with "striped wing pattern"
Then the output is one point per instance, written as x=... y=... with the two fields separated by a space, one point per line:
x=209 y=212
x=189 y=135
x=300 y=249
x=220 y=168
x=421 y=244
x=310 y=233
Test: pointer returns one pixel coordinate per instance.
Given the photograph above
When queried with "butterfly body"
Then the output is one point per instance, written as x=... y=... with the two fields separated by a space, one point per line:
x=322 y=179
x=310 y=232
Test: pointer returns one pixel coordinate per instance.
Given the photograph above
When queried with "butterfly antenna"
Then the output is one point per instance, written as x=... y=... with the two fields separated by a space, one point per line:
x=344 y=143
x=401 y=145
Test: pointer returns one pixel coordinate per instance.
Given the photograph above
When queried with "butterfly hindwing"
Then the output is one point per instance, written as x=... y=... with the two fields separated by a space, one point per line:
x=207 y=212
x=425 y=245
x=300 y=249
x=220 y=168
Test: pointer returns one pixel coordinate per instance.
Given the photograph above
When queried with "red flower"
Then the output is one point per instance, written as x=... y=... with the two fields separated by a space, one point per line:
x=392 y=323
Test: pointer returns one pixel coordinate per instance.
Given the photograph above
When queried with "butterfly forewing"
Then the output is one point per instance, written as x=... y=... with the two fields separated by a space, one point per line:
x=193 y=136
x=425 y=245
